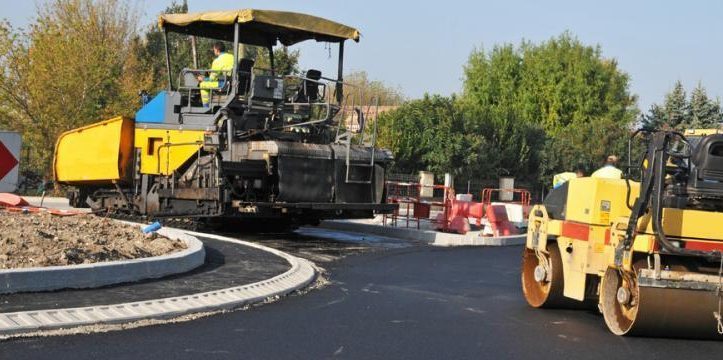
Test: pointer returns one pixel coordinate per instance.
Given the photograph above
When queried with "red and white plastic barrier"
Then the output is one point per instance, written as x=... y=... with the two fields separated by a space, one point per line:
x=15 y=203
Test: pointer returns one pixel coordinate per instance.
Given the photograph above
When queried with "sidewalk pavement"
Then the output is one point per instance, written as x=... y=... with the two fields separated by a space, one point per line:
x=430 y=237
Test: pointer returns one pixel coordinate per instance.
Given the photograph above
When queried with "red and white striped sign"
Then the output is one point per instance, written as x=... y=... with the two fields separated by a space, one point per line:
x=9 y=160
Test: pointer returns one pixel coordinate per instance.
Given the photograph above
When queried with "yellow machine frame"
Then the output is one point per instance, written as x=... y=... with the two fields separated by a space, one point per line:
x=162 y=151
x=585 y=242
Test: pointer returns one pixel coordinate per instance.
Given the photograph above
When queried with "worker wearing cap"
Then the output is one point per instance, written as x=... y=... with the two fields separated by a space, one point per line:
x=609 y=171
x=223 y=62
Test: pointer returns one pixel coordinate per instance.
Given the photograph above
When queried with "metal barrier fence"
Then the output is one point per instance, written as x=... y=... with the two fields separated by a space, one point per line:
x=472 y=186
x=436 y=204
x=418 y=203
x=518 y=196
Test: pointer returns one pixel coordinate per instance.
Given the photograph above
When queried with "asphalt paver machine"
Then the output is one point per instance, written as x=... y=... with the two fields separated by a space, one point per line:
x=263 y=147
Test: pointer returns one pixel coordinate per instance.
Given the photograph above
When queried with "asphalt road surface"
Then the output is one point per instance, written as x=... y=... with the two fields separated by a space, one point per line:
x=399 y=303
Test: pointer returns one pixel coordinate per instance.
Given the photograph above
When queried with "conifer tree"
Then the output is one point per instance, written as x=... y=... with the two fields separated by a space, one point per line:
x=704 y=112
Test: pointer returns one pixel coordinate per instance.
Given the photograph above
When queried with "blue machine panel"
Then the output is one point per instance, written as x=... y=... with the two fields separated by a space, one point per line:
x=154 y=111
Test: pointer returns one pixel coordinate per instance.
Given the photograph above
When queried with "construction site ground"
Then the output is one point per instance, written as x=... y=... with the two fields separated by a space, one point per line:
x=414 y=302
x=39 y=239
x=226 y=265
x=383 y=298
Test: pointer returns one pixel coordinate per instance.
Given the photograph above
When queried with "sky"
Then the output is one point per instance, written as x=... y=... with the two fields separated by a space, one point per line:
x=422 y=46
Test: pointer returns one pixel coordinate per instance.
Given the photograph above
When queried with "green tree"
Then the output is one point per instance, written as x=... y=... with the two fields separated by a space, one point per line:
x=679 y=113
x=501 y=140
x=529 y=111
x=704 y=112
x=654 y=119
x=73 y=66
x=543 y=108
x=286 y=62
x=676 y=107
x=362 y=91
x=425 y=134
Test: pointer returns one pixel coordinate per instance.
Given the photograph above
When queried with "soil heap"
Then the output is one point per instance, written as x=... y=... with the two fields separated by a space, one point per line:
x=42 y=239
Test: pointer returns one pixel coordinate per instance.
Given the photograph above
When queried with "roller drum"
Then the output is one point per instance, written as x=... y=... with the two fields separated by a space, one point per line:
x=659 y=311
x=547 y=293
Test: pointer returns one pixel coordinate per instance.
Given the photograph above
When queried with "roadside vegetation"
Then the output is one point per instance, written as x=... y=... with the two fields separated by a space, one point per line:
x=527 y=110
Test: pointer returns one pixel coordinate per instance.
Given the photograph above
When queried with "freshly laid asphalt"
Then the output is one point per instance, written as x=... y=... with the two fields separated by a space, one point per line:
x=415 y=302
x=227 y=264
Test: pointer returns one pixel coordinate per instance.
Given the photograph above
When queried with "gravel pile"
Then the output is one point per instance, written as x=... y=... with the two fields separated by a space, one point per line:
x=42 y=239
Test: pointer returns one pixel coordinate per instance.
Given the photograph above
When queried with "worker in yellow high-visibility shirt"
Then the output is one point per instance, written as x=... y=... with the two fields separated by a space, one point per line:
x=564 y=177
x=609 y=171
x=222 y=64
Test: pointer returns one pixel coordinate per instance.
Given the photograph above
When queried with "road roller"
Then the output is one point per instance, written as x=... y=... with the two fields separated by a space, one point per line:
x=645 y=249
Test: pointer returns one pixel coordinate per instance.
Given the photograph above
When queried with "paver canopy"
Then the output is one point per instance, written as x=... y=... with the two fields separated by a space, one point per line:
x=259 y=27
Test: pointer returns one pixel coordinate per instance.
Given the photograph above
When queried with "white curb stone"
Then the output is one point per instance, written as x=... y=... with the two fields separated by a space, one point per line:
x=434 y=238
x=301 y=273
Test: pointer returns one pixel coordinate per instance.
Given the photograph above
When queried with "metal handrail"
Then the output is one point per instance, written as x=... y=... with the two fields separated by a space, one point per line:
x=525 y=195
x=304 y=79
x=224 y=77
x=225 y=73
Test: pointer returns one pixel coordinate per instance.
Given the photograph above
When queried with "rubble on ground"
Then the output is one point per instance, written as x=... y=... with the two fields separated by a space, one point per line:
x=42 y=239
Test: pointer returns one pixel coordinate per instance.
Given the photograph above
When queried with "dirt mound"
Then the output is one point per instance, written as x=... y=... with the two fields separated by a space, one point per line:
x=41 y=239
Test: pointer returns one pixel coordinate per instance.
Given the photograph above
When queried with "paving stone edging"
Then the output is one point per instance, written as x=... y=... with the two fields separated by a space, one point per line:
x=434 y=238
x=301 y=274
x=106 y=273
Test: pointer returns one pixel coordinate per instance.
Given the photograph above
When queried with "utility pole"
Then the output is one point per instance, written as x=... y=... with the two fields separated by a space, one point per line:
x=194 y=52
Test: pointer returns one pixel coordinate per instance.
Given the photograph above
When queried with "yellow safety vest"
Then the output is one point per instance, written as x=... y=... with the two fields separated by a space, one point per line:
x=562 y=178
x=608 y=172
x=224 y=62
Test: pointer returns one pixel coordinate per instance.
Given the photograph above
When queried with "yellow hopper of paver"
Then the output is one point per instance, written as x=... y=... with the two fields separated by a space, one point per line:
x=100 y=153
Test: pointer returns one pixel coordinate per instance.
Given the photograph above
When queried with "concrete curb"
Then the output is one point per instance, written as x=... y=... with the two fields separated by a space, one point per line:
x=301 y=274
x=511 y=240
x=428 y=236
x=106 y=273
